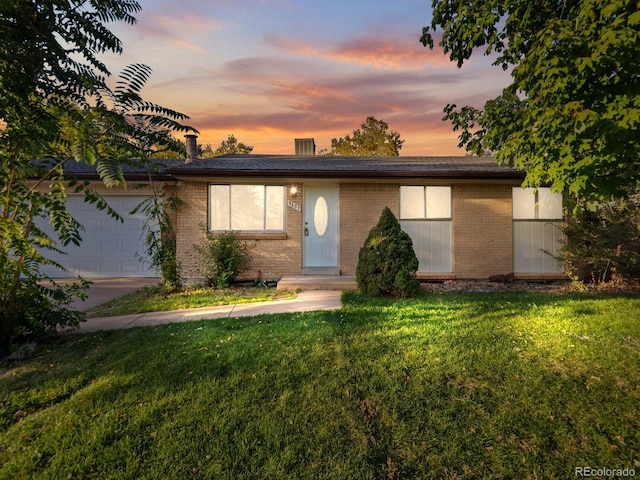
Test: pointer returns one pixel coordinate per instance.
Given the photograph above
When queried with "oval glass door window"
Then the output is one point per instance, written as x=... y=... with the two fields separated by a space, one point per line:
x=321 y=216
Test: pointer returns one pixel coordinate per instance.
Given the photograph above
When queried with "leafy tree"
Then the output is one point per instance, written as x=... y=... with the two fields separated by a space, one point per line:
x=373 y=138
x=164 y=152
x=387 y=263
x=124 y=128
x=206 y=151
x=571 y=115
x=231 y=145
x=48 y=55
x=118 y=126
x=54 y=101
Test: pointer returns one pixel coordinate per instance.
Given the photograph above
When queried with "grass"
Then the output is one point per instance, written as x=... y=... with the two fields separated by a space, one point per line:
x=152 y=299
x=505 y=385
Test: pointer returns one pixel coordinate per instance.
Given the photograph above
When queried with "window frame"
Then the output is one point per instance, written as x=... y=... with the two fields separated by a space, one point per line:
x=229 y=205
x=425 y=204
x=430 y=230
x=536 y=205
x=539 y=260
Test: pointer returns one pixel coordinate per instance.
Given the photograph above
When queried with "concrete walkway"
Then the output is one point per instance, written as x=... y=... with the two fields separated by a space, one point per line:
x=306 y=301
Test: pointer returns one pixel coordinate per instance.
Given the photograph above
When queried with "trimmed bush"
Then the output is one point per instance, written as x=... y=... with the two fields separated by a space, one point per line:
x=387 y=263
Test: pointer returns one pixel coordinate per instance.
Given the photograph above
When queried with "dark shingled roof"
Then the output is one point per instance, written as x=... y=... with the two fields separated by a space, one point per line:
x=282 y=166
x=350 y=167
x=133 y=171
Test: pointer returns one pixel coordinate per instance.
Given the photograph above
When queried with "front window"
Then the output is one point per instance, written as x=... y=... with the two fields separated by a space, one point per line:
x=537 y=236
x=252 y=208
x=420 y=202
x=425 y=214
x=543 y=204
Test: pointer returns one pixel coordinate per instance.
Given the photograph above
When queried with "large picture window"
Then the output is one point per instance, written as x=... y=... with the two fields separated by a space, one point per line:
x=537 y=237
x=253 y=208
x=425 y=214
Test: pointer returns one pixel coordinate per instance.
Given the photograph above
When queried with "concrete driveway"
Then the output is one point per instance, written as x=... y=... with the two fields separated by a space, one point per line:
x=104 y=289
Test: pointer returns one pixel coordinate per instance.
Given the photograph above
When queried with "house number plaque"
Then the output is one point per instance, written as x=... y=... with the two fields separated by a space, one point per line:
x=295 y=206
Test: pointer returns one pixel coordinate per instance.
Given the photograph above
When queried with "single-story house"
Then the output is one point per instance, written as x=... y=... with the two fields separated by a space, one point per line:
x=306 y=214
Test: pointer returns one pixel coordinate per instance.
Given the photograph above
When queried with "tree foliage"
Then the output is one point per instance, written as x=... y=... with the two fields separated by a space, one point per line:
x=387 y=263
x=571 y=115
x=230 y=145
x=603 y=242
x=372 y=139
x=118 y=126
x=48 y=54
x=54 y=102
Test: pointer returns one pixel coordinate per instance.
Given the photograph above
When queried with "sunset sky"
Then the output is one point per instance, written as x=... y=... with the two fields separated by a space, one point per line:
x=269 y=71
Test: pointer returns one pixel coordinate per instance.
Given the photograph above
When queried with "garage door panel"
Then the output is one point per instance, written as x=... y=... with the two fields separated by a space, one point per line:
x=88 y=245
x=86 y=266
x=132 y=246
x=130 y=267
x=109 y=228
x=91 y=226
x=110 y=267
x=109 y=248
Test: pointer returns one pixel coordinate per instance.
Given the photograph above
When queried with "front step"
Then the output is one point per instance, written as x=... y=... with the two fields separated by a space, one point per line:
x=321 y=271
x=317 y=282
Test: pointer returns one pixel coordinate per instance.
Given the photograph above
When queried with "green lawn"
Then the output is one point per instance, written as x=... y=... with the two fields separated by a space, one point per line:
x=152 y=299
x=505 y=385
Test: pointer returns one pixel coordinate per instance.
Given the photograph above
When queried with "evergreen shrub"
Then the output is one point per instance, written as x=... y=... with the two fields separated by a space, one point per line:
x=387 y=263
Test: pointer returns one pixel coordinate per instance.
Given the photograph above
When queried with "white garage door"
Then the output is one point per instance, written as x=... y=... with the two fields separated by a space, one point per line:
x=109 y=248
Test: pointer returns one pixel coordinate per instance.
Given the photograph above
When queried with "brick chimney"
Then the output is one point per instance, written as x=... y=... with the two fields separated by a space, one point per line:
x=192 y=148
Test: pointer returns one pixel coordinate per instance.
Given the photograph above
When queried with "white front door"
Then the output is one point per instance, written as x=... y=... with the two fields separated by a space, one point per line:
x=320 y=227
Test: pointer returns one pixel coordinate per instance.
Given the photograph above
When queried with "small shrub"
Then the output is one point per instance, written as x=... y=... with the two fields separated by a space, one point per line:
x=387 y=263
x=224 y=257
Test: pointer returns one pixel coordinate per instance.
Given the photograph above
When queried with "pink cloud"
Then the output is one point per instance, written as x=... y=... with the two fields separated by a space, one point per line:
x=381 y=52
x=181 y=29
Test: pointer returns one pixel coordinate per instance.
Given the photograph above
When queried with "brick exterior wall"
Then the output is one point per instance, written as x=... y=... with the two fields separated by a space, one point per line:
x=361 y=205
x=190 y=224
x=273 y=254
x=482 y=230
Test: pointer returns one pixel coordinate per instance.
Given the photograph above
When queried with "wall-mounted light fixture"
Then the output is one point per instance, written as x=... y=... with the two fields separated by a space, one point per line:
x=293 y=190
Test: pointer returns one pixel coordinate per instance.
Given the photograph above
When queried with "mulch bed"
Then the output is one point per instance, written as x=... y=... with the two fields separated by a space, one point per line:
x=556 y=286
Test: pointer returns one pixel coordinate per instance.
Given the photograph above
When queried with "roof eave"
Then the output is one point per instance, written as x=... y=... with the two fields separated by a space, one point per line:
x=349 y=174
x=134 y=177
